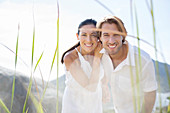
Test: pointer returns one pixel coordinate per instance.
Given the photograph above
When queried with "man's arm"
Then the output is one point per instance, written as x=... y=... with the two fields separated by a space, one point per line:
x=149 y=86
x=149 y=101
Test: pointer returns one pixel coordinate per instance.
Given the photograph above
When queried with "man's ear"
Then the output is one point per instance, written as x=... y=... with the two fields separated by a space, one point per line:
x=77 y=36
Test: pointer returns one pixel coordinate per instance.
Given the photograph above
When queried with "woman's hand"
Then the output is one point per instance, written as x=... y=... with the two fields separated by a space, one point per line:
x=97 y=50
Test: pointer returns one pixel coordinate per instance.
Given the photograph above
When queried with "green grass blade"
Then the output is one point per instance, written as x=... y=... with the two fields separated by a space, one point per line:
x=156 y=61
x=49 y=74
x=16 y=57
x=38 y=61
x=4 y=106
x=27 y=110
x=34 y=71
x=30 y=82
x=28 y=94
x=55 y=53
x=53 y=58
x=57 y=56
x=37 y=104
x=131 y=72
x=13 y=92
x=33 y=47
x=50 y=71
x=132 y=84
x=138 y=69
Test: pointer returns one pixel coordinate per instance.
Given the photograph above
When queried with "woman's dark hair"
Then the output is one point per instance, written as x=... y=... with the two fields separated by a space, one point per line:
x=85 y=22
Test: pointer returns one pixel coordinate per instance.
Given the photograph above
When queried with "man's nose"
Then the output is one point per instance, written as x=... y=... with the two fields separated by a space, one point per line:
x=111 y=39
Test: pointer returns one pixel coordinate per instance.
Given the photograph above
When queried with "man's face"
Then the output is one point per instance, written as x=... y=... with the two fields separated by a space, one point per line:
x=111 y=42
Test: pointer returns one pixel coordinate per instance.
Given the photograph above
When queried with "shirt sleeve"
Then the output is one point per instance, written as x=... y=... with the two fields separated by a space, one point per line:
x=149 y=82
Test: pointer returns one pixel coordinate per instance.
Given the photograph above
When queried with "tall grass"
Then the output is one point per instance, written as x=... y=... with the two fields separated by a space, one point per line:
x=16 y=58
x=138 y=69
x=156 y=54
x=37 y=104
x=2 y=104
x=30 y=83
x=57 y=49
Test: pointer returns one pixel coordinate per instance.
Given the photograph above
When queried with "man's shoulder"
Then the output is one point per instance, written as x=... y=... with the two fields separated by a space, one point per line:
x=140 y=52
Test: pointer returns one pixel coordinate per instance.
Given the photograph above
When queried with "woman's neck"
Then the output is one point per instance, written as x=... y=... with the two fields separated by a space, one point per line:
x=84 y=53
x=87 y=56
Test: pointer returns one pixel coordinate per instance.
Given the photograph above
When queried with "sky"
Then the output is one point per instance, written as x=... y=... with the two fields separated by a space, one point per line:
x=44 y=14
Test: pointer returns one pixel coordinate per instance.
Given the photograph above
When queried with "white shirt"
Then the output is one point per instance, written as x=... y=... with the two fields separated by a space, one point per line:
x=77 y=99
x=128 y=87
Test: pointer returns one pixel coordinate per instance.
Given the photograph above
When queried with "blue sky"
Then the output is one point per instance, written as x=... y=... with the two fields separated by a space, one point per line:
x=72 y=12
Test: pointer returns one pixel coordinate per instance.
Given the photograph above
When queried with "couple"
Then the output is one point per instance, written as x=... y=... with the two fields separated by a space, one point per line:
x=103 y=57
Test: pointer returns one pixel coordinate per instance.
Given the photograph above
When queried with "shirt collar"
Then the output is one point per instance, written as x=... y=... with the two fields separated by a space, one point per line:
x=130 y=60
x=103 y=51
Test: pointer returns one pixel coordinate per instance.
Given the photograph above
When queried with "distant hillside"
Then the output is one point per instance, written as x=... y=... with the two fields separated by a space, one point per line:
x=163 y=77
x=162 y=73
x=21 y=84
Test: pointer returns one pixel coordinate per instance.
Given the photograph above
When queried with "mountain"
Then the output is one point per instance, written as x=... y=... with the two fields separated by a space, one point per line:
x=21 y=86
x=163 y=76
x=50 y=97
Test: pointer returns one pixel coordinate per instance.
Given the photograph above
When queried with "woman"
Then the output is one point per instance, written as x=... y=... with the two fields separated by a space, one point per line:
x=83 y=92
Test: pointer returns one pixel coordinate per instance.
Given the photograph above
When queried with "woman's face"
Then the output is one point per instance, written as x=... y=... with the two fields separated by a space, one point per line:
x=88 y=39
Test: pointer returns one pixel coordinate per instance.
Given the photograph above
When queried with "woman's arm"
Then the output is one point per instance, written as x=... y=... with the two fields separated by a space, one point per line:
x=72 y=64
x=106 y=95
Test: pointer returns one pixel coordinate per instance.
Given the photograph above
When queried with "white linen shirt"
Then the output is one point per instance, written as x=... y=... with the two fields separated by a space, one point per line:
x=128 y=81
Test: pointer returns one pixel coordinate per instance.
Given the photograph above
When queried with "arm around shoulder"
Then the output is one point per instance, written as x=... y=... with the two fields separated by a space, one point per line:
x=73 y=65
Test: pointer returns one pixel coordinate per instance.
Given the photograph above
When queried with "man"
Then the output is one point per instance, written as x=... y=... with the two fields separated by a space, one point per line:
x=130 y=70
